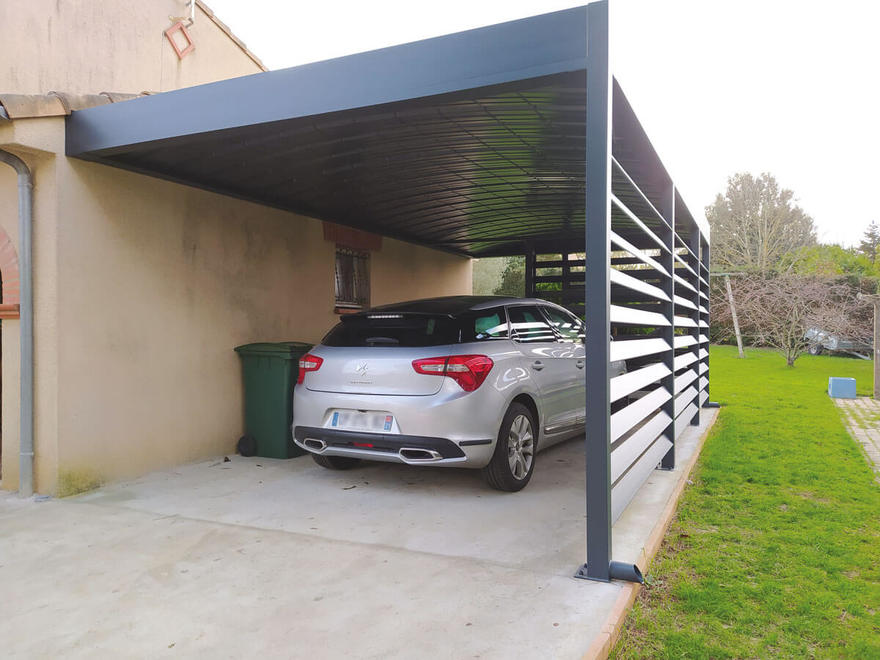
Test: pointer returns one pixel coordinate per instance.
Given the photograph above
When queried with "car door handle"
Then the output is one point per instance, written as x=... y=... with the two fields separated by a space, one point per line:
x=537 y=365
x=579 y=364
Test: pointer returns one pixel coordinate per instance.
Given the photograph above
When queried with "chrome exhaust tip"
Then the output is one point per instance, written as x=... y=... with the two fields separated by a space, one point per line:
x=314 y=444
x=418 y=455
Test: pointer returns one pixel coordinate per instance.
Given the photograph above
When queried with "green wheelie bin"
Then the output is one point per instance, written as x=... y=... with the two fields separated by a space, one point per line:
x=270 y=371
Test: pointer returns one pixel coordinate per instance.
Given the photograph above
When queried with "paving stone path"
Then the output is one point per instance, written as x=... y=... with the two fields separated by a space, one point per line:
x=862 y=417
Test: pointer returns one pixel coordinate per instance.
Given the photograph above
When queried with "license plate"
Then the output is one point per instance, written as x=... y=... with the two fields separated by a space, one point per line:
x=355 y=420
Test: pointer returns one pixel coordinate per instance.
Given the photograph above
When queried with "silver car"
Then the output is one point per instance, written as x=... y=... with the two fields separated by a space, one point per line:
x=466 y=381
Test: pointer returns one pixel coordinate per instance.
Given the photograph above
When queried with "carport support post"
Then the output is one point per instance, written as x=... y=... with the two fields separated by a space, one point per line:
x=598 y=295
x=668 y=332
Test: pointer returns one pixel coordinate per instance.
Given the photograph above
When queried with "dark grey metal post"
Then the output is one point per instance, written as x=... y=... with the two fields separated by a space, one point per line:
x=694 y=244
x=705 y=257
x=668 y=333
x=598 y=295
x=530 y=272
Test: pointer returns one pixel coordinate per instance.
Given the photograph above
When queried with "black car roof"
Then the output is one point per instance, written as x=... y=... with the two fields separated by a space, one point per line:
x=448 y=305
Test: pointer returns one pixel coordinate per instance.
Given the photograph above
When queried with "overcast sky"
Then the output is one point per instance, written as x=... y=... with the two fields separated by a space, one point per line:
x=722 y=86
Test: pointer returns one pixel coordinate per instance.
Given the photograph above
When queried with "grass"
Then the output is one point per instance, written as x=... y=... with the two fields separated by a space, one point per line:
x=775 y=549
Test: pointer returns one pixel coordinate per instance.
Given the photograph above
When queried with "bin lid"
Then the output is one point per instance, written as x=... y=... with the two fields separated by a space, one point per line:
x=282 y=349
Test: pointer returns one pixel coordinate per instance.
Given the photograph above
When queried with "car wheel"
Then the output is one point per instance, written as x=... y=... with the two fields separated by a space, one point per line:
x=513 y=462
x=815 y=349
x=336 y=462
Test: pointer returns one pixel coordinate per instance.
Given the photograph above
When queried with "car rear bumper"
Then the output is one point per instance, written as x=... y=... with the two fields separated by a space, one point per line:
x=388 y=447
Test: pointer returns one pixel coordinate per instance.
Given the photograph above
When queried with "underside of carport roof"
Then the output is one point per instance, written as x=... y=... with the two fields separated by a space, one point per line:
x=506 y=140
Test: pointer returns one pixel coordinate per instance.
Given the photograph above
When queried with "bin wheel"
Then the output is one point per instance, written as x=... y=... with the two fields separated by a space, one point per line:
x=336 y=462
x=247 y=445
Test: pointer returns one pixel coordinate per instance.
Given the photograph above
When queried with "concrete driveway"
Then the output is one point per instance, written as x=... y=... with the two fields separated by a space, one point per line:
x=285 y=559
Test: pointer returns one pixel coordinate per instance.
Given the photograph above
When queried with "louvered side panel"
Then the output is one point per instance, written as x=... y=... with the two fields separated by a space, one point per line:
x=625 y=350
x=630 y=316
x=628 y=485
x=633 y=381
x=624 y=455
x=685 y=398
x=626 y=419
x=683 y=419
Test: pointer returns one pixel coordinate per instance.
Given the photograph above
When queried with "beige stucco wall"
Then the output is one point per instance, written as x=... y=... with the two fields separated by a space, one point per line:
x=143 y=287
x=34 y=141
x=89 y=46
x=159 y=283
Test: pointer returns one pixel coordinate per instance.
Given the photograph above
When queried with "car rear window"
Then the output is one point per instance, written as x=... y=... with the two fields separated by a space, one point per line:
x=413 y=330
x=393 y=330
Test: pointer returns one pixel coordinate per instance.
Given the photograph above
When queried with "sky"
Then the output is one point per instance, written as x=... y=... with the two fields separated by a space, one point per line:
x=788 y=87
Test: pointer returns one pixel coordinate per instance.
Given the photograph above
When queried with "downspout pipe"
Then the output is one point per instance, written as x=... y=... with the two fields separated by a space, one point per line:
x=26 y=323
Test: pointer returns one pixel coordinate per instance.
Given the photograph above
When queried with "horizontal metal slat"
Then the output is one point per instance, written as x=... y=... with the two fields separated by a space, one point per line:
x=624 y=455
x=684 y=322
x=682 y=244
x=703 y=324
x=637 y=221
x=633 y=381
x=683 y=341
x=684 y=380
x=703 y=294
x=684 y=360
x=628 y=485
x=686 y=265
x=684 y=302
x=641 y=194
x=685 y=398
x=704 y=339
x=683 y=420
x=680 y=280
x=703 y=310
x=703 y=396
x=622 y=279
x=703 y=368
x=630 y=316
x=702 y=353
x=625 y=419
x=621 y=242
x=624 y=350
x=703 y=383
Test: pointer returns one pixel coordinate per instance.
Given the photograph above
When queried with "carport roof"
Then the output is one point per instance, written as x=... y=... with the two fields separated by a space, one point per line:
x=472 y=142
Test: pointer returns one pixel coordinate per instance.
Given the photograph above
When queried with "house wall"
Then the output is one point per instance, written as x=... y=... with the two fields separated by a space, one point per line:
x=84 y=46
x=143 y=289
x=32 y=140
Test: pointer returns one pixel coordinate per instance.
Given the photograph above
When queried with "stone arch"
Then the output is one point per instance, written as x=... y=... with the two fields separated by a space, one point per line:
x=9 y=278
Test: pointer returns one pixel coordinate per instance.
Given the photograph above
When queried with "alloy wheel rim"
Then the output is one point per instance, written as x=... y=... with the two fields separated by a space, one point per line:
x=520 y=447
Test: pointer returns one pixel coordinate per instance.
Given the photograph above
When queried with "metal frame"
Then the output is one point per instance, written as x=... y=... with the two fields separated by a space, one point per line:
x=471 y=143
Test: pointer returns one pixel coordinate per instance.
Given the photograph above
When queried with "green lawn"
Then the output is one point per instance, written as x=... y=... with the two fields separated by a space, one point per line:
x=775 y=551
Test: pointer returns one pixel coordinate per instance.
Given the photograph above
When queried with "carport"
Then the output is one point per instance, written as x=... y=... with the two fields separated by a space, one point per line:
x=512 y=139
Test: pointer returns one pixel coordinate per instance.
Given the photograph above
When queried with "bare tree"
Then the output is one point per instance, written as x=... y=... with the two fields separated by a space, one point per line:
x=755 y=223
x=777 y=311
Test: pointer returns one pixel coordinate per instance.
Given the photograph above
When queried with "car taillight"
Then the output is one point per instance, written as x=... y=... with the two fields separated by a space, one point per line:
x=469 y=371
x=308 y=362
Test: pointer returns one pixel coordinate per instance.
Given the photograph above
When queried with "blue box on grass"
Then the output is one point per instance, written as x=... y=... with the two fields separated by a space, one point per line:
x=842 y=388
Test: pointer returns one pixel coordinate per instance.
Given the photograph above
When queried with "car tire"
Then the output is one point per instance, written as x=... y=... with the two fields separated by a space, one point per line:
x=815 y=349
x=336 y=462
x=513 y=461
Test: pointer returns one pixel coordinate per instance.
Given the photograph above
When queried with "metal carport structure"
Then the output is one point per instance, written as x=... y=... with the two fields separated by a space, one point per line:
x=512 y=139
